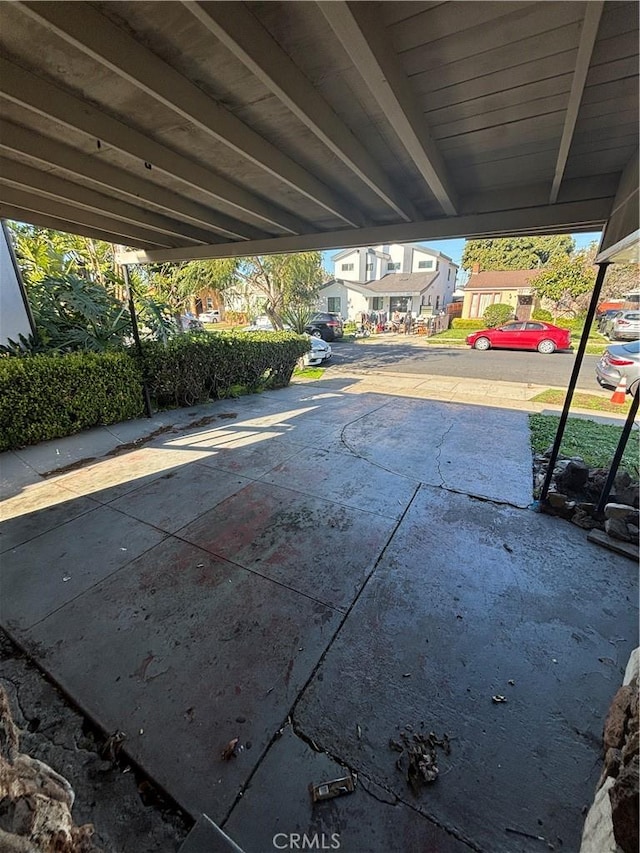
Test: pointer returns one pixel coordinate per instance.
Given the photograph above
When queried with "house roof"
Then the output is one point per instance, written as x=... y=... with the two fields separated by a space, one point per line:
x=500 y=279
x=202 y=130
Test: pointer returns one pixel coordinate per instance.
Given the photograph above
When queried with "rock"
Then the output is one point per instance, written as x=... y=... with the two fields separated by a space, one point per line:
x=597 y=835
x=618 y=510
x=574 y=477
x=611 y=767
x=622 y=481
x=633 y=530
x=557 y=500
x=616 y=528
x=623 y=797
x=617 y=718
x=633 y=667
x=631 y=748
x=586 y=507
x=630 y=495
x=584 y=520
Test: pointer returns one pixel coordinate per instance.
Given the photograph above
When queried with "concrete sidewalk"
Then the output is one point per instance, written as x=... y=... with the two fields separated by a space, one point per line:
x=313 y=571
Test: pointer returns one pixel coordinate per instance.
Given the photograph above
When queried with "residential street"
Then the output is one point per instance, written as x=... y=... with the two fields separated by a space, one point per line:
x=395 y=354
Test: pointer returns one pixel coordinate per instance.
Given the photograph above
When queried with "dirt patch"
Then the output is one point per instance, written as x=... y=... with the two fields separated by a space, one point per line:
x=128 y=813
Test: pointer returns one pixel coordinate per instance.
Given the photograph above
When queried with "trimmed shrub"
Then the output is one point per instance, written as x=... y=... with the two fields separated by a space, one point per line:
x=543 y=315
x=50 y=396
x=196 y=367
x=467 y=323
x=497 y=314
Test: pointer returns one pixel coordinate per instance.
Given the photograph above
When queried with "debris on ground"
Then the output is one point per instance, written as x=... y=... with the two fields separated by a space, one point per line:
x=418 y=756
x=112 y=746
x=335 y=788
x=231 y=750
x=498 y=699
x=36 y=801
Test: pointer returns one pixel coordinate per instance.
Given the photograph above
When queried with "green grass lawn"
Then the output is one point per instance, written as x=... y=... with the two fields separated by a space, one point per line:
x=309 y=372
x=595 y=443
x=582 y=401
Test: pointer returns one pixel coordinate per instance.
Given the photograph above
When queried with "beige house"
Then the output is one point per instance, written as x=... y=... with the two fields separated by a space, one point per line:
x=510 y=287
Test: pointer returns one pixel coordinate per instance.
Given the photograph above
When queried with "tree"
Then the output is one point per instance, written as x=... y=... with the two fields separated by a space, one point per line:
x=620 y=278
x=497 y=314
x=566 y=283
x=272 y=283
x=516 y=253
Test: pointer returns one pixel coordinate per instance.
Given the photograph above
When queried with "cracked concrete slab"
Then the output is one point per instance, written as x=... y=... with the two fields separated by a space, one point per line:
x=469 y=597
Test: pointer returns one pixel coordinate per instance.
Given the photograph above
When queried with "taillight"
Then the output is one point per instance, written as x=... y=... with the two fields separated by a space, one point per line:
x=619 y=361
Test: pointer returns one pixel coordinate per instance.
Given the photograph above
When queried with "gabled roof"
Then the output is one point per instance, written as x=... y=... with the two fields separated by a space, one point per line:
x=393 y=283
x=500 y=279
x=343 y=254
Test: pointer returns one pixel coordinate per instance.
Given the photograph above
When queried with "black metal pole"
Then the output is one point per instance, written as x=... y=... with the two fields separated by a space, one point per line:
x=617 y=456
x=136 y=338
x=595 y=296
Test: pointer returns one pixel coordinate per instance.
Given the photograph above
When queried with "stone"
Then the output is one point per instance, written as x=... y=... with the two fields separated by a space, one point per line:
x=557 y=500
x=615 y=723
x=617 y=529
x=622 y=480
x=616 y=510
x=582 y=519
x=611 y=767
x=630 y=495
x=632 y=670
x=597 y=834
x=623 y=797
x=574 y=477
x=631 y=748
x=587 y=507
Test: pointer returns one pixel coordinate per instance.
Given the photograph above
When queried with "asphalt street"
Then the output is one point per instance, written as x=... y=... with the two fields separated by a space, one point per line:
x=416 y=356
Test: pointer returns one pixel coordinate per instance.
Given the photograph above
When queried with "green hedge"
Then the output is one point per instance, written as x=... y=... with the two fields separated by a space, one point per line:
x=466 y=323
x=49 y=396
x=197 y=367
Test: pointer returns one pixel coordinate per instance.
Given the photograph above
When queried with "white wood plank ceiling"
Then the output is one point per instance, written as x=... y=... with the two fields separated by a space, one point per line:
x=208 y=129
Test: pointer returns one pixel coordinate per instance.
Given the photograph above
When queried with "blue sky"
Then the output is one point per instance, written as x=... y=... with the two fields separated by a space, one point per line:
x=454 y=248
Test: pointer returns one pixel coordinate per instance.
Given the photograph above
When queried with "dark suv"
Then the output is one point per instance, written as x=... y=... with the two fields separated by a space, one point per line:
x=325 y=325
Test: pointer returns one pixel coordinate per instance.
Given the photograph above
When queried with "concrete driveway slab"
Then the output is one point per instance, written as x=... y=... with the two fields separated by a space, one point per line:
x=252 y=455
x=49 y=570
x=194 y=489
x=370 y=820
x=348 y=479
x=15 y=475
x=468 y=597
x=320 y=548
x=185 y=652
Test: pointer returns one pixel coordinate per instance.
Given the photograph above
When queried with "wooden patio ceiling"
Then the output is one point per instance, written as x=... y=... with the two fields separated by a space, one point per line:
x=209 y=129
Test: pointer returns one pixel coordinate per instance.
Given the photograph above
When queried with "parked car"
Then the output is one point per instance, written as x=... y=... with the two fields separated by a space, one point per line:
x=530 y=335
x=191 y=323
x=624 y=326
x=620 y=360
x=325 y=325
x=209 y=317
x=320 y=352
x=605 y=319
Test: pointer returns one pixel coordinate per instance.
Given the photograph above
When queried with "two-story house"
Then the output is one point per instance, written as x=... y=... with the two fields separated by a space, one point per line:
x=389 y=278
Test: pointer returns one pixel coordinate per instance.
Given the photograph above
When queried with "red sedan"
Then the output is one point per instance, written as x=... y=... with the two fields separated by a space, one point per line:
x=544 y=337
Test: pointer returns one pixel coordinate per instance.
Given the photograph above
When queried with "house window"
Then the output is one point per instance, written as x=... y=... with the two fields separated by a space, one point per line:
x=333 y=303
x=449 y=275
x=377 y=303
x=437 y=301
x=346 y=267
x=369 y=267
x=209 y=303
x=399 y=303
x=425 y=265
x=392 y=267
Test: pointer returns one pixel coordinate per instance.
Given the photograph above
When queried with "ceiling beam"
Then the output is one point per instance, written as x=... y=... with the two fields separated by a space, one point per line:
x=94 y=168
x=241 y=33
x=126 y=233
x=588 y=35
x=43 y=220
x=366 y=42
x=37 y=94
x=49 y=185
x=98 y=37
x=547 y=219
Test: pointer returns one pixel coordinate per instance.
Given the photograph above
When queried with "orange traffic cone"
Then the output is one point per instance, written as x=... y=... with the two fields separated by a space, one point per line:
x=620 y=394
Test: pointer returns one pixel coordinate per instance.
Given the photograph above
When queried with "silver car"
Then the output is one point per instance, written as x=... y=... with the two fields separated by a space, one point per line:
x=625 y=326
x=620 y=360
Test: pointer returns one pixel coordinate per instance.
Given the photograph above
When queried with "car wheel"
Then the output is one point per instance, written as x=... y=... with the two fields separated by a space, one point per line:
x=546 y=347
x=316 y=333
x=482 y=344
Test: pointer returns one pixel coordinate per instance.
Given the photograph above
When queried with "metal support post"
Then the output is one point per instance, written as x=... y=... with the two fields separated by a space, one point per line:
x=617 y=456
x=595 y=296
x=136 y=338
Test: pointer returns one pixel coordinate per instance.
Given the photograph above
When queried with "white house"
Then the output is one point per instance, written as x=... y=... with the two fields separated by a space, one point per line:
x=389 y=278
